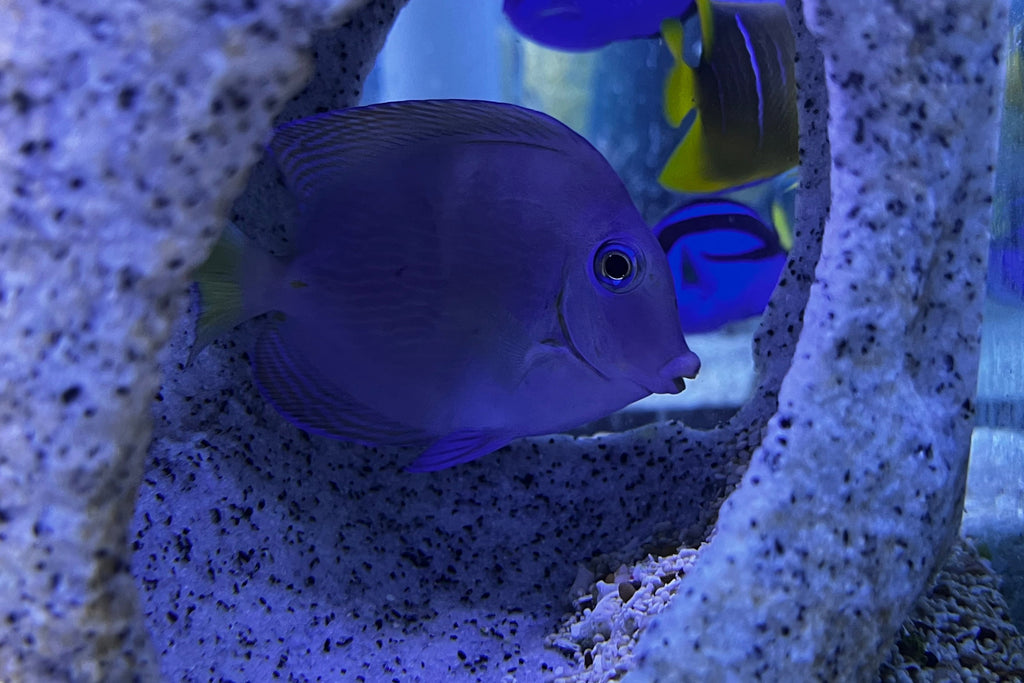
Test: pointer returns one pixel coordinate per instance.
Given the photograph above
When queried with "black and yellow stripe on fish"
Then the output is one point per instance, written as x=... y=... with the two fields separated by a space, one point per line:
x=733 y=83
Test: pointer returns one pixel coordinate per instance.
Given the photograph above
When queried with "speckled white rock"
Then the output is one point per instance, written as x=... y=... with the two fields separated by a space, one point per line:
x=125 y=129
x=855 y=493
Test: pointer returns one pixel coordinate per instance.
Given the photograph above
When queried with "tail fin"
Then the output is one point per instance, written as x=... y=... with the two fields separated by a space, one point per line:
x=219 y=281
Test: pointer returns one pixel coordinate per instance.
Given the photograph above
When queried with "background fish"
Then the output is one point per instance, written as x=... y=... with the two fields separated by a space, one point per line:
x=773 y=200
x=725 y=262
x=733 y=90
x=1006 y=269
x=464 y=273
x=590 y=24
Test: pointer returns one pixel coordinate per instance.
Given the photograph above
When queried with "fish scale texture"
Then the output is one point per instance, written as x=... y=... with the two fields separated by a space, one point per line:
x=855 y=494
x=260 y=552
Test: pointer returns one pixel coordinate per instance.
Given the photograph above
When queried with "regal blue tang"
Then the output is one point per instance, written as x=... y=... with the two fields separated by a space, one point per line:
x=464 y=273
x=733 y=92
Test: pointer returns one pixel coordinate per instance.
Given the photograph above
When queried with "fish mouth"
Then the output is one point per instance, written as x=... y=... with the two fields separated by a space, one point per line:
x=673 y=376
x=675 y=386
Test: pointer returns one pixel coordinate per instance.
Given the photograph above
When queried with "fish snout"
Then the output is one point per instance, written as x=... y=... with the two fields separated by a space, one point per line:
x=674 y=372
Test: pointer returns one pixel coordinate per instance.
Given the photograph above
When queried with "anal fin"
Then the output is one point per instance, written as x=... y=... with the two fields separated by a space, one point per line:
x=680 y=86
x=456 y=448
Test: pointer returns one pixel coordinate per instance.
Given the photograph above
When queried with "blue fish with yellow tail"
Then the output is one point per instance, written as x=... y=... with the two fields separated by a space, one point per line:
x=733 y=87
x=725 y=262
x=464 y=273
x=576 y=25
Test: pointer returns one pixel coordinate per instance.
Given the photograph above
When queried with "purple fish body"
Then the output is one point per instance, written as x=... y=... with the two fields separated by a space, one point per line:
x=590 y=24
x=465 y=273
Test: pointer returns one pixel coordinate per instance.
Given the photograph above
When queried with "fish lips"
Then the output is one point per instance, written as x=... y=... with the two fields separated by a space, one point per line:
x=672 y=376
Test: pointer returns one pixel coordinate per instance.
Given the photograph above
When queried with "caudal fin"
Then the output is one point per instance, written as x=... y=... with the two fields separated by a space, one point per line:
x=219 y=281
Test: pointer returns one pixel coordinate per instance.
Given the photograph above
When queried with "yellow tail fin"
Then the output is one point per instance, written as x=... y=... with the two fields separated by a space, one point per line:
x=220 y=289
x=686 y=169
x=680 y=87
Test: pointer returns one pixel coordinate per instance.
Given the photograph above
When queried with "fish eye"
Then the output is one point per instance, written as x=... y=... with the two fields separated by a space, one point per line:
x=616 y=266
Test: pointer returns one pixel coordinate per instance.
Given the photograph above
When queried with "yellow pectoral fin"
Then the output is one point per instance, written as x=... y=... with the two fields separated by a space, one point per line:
x=679 y=94
x=687 y=168
x=219 y=281
x=679 y=86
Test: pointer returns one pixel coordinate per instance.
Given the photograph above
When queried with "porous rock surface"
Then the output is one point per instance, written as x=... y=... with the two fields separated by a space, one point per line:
x=959 y=630
x=262 y=552
x=126 y=129
x=855 y=493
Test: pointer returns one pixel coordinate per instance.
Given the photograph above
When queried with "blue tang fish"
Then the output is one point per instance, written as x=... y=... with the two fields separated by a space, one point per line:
x=733 y=87
x=589 y=24
x=725 y=262
x=464 y=273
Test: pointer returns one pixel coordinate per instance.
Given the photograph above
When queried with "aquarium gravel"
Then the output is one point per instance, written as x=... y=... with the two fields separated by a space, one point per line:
x=959 y=630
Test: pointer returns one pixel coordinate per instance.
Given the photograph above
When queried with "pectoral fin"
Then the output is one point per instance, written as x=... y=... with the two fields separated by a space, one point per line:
x=680 y=86
x=679 y=99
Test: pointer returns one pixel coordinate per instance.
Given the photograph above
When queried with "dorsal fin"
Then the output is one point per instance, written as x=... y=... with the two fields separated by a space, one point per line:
x=315 y=152
x=457 y=448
